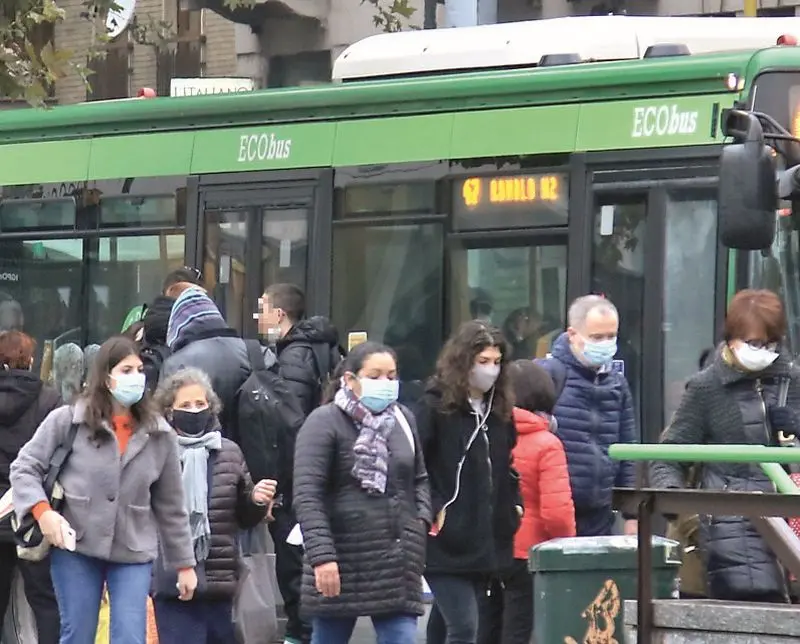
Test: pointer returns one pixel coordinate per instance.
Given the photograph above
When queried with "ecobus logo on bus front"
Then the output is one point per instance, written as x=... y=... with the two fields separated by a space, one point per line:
x=263 y=147
x=663 y=120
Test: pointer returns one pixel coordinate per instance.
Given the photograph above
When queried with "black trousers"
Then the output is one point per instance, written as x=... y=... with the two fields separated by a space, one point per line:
x=289 y=571
x=38 y=591
x=506 y=609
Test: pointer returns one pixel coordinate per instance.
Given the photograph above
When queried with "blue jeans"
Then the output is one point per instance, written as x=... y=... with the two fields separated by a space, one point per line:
x=196 y=622
x=397 y=629
x=454 y=614
x=78 y=582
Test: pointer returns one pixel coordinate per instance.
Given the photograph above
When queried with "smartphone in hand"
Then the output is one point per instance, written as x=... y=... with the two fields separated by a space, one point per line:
x=70 y=540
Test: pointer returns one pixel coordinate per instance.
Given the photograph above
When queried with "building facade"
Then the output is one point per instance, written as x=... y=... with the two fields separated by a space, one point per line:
x=280 y=43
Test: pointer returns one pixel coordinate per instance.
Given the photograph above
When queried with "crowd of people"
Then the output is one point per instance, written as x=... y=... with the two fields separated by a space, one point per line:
x=499 y=454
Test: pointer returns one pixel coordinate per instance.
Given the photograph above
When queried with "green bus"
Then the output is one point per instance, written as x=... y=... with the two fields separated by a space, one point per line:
x=495 y=171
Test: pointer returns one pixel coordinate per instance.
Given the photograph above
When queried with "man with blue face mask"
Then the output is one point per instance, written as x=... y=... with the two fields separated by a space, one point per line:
x=594 y=410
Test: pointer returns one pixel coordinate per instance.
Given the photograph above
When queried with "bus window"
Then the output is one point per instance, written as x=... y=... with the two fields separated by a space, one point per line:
x=519 y=288
x=618 y=268
x=690 y=257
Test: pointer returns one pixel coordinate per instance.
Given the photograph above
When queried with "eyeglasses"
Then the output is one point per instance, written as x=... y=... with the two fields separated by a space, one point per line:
x=770 y=345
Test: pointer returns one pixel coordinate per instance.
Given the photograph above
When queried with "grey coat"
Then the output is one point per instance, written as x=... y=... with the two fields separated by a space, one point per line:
x=117 y=507
x=378 y=542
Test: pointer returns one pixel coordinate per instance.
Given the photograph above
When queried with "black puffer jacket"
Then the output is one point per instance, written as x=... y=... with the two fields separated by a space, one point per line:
x=477 y=537
x=724 y=406
x=377 y=541
x=24 y=404
x=296 y=362
x=230 y=508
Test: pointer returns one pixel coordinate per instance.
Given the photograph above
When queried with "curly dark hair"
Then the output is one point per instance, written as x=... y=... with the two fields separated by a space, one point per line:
x=456 y=360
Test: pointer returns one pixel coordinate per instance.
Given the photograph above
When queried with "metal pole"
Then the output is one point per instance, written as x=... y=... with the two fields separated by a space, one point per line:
x=750 y=8
x=783 y=482
x=703 y=453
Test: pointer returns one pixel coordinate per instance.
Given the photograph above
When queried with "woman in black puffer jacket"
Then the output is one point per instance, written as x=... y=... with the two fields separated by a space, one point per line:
x=221 y=500
x=24 y=404
x=737 y=400
x=361 y=497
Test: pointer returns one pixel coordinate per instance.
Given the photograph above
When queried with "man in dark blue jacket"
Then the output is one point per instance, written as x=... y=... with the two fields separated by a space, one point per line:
x=594 y=410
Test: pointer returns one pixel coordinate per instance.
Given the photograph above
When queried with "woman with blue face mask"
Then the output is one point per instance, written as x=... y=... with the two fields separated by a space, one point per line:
x=122 y=488
x=362 y=501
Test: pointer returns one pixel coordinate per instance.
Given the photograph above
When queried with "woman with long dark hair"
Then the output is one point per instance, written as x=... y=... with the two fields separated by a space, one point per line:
x=467 y=431
x=362 y=500
x=122 y=489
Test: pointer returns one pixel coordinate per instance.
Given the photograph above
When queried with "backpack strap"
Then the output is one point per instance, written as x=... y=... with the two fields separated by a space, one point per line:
x=557 y=371
x=404 y=425
x=59 y=459
x=255 y=355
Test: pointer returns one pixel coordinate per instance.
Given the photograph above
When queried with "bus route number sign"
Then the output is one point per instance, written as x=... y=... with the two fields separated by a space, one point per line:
x=501 y=191
x=512 y=201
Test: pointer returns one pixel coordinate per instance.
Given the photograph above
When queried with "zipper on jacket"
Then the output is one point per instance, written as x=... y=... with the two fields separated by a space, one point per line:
x=760 y=392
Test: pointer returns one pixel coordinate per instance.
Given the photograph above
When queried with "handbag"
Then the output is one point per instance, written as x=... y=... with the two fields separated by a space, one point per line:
x=30 y=542
x=254 y=617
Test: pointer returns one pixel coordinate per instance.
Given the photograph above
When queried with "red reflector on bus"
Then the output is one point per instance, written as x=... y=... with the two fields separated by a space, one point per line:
x=146 y=92
x=788 y=40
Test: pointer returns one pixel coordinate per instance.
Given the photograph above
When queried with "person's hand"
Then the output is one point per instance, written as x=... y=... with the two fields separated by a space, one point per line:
x=631 y=528
x=327 y=579
x=51 y=524
x=187 y=584
x=264 y=491
x=783 y=421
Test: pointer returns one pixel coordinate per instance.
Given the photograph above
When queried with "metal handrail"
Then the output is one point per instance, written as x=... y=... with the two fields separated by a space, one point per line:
x=754 y=505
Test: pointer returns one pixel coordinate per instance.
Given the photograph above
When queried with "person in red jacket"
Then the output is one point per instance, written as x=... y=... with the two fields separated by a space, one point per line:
x=540 y=460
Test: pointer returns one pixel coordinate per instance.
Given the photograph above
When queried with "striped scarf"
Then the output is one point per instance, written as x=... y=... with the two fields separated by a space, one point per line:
x=193 y=311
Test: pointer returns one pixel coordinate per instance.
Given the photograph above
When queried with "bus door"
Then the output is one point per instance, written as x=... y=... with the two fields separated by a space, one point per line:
x=253 y=231
x=655 y=254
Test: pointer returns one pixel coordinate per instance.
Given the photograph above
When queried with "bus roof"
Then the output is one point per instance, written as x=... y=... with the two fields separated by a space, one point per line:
x=522 y=44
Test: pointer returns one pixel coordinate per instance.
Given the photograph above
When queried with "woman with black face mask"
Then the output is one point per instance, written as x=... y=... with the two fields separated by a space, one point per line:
x=221 y=500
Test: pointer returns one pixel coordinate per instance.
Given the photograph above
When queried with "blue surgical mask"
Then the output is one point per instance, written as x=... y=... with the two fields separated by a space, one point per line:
x=599 y=353
x=377 y=395
x=129 y=389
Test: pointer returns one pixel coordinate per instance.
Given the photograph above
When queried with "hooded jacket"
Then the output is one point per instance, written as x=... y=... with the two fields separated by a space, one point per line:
x=540 y=460
x=297 y=363
x=24 y=403
x=199 y=337
x=154 y=343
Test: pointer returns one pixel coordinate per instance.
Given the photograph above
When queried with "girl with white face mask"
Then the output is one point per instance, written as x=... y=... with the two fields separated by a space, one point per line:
x=749 y=394
x=465 y=422
x=122 y=491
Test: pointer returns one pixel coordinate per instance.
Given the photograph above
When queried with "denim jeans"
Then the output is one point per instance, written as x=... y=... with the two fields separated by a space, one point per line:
x=198 y=621
x=395 y=629
x=454 y=614
x=78 y=582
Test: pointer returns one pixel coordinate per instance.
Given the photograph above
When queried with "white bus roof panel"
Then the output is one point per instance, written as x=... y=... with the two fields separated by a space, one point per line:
x=519 y=44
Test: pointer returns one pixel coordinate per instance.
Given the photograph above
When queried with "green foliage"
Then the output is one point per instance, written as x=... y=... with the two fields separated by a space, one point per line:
x=392 y=15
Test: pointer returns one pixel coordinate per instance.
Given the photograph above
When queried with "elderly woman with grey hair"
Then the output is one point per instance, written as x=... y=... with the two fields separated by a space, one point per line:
x=221 y=500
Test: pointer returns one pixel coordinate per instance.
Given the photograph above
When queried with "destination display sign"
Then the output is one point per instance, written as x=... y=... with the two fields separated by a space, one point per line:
x=511 y=201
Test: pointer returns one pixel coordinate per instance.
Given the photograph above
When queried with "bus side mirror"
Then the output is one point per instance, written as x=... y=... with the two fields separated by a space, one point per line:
x=748 y=194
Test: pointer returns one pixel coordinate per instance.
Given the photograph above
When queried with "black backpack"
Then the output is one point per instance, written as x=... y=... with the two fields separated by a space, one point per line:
x=326 y=358
x=268 y=417
x=153 y=357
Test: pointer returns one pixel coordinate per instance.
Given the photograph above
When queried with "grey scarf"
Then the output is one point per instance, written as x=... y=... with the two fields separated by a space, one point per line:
x=194 y=460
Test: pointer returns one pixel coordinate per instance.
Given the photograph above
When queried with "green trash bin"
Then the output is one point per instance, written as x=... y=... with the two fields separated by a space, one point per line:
x=580 y=585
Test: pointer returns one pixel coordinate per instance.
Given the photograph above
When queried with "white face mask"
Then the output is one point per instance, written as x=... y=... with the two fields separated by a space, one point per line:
x=754 y=359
